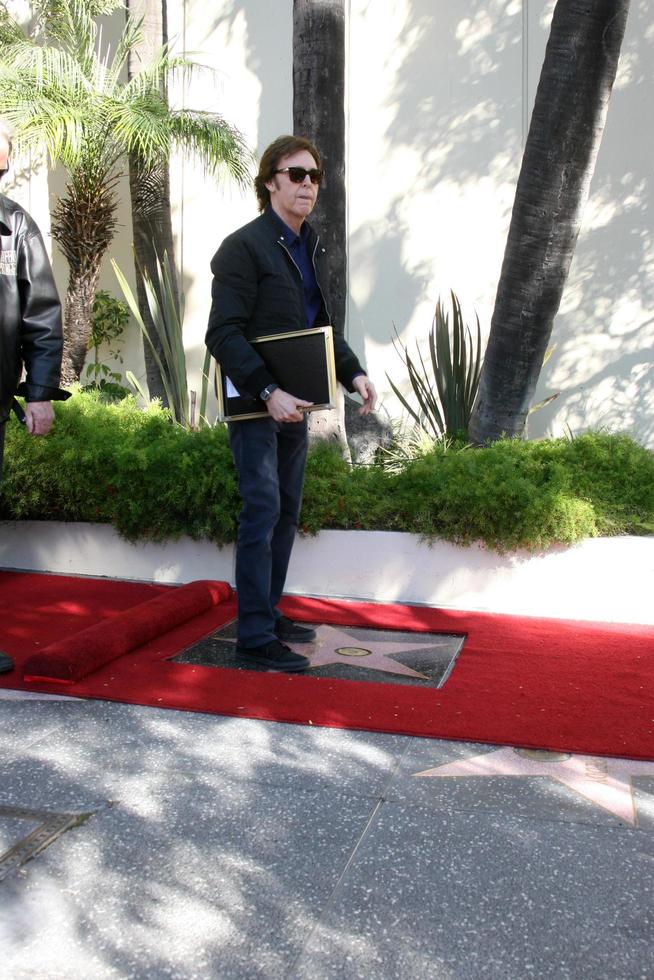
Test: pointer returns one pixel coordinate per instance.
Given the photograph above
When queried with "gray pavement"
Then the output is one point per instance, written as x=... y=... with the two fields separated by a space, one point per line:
x=234 y=848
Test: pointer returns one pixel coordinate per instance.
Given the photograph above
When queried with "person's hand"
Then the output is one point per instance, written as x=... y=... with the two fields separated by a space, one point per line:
x=39 y=417
x=284 y=407
x=364 y=387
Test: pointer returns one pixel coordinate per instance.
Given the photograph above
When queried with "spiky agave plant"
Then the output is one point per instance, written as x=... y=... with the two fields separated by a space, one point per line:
x=446 y=384
x=64 y=90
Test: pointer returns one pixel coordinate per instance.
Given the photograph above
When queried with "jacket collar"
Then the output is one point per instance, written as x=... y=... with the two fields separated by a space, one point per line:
x=272 y=221
x=4 y=213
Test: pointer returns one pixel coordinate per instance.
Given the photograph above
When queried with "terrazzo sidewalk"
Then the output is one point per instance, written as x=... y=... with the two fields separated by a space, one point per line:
x=231 y=848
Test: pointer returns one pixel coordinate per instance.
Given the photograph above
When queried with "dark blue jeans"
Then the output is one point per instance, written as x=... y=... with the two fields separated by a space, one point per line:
x=270 y=458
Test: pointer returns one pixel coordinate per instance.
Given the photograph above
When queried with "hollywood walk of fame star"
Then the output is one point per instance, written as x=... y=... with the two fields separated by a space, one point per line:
x=333 y=646
x=604 y=781
x=337 y=646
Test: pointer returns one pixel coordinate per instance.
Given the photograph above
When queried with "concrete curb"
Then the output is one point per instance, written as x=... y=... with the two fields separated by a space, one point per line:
x=603 y=579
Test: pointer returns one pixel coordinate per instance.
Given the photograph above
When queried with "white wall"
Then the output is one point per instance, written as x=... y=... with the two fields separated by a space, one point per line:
x=438 y=102
x=251 y=55
x=434 y=149
x=562 y=582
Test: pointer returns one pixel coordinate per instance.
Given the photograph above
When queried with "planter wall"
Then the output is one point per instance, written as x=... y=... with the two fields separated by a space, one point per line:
x=604 y=579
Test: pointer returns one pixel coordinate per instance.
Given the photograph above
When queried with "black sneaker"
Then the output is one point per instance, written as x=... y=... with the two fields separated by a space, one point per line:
x=6 y=663
x=290 y=632
x=275 y=655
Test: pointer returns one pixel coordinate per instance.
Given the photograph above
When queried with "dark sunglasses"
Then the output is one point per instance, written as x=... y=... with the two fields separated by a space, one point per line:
x=297 y=174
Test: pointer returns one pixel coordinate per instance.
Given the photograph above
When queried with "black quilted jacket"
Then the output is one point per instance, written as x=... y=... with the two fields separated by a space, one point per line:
x=257 y=291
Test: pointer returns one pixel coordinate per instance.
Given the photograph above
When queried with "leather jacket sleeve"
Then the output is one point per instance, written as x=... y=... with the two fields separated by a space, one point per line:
x=41 y=337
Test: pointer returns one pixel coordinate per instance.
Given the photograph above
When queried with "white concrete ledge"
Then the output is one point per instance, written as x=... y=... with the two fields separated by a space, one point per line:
x=603 y=579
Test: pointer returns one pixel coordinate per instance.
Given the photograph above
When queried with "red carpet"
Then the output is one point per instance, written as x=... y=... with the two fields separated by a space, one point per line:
x=551 y=684
x=72 y=658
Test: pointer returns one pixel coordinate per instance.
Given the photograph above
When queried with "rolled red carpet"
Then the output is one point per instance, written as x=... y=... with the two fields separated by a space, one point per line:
x=73 y=658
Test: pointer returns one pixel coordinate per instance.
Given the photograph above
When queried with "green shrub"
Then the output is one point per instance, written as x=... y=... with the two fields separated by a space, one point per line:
x=113 y=463
x=151 y=479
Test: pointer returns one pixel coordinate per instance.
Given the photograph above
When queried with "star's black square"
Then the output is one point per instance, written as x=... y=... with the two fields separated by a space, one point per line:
x=349 y=653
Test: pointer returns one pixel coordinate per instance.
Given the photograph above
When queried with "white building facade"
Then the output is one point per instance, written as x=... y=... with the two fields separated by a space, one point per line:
x=439 y=95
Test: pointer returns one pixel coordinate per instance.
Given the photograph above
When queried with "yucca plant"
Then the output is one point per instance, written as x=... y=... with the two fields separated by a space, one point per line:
x=64 y=90
x=411 y=442
x=446 y=384
x=167 y=345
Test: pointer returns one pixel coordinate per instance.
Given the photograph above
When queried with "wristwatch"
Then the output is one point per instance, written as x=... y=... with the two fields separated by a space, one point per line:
x=267 y=392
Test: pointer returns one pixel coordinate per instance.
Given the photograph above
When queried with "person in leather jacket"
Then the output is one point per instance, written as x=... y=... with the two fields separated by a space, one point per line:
x=30 y=321
x=270 y=277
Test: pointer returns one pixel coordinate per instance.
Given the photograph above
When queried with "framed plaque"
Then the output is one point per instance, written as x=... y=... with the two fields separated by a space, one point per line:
x=301 y=362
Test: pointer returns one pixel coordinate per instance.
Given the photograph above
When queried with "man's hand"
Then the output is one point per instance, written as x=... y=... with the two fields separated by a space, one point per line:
x=364 y=387
x=284 y=407
x=39 y=417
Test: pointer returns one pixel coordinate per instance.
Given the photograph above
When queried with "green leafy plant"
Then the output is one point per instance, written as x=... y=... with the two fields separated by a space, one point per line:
x=107 y=463
x=109 y=318
x=446 y=385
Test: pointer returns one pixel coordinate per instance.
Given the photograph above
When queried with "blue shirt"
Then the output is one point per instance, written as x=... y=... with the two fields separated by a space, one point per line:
x=298 y=248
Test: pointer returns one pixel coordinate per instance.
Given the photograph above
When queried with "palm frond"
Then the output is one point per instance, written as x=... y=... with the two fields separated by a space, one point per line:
x=48 y=68
x=162 y=67
x=132 y=36
x=217 y=144
x=42 y=122
x=141 y=127
x=72 y=23
x=11 y=31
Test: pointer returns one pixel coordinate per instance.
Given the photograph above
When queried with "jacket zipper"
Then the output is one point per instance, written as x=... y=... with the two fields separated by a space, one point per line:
x=313 y=263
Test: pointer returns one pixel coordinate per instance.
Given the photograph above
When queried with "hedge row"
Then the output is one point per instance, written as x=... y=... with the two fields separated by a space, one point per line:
x=131 y=468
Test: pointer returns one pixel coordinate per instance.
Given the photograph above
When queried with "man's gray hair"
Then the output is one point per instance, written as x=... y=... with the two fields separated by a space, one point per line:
x=6 y=130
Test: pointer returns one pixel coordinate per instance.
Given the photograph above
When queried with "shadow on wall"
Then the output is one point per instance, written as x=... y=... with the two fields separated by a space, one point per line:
x=457 y=98
x=267 y=59
x=449 y=157
x=455 y=113
x=433 y=165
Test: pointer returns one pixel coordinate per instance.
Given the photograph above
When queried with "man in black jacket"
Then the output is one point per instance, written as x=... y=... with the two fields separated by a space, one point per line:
x=270 y=277
x=30 y=321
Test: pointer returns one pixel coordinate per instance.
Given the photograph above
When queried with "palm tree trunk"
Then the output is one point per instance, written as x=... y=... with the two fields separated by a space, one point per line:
x=83 y=225
x=78 y=308
x=150 y=195
x=558 y=163
x=319 y=114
